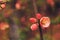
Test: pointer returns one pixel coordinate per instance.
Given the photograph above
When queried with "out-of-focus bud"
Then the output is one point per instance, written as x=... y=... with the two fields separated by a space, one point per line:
x=18 y=6
x=4 y=26
x=0 y=0
x=51 y=2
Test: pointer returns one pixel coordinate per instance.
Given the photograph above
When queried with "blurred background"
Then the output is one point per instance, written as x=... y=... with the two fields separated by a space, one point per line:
x=15 y=14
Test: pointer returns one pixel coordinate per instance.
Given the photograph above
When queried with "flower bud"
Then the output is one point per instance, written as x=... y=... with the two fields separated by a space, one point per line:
x=38 y=15
x=34 y=27
x=33 y=20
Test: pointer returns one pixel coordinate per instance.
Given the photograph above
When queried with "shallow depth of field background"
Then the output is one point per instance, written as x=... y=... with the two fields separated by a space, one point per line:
x=17 y=13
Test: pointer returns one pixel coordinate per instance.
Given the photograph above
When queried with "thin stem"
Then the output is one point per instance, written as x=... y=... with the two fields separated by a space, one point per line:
x=35 y=7
x=40 y=30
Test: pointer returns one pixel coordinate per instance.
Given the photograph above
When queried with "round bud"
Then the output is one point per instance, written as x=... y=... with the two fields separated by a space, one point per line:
x=38 y=15
x=33 y=20
x=34 y=27
x=18 y=5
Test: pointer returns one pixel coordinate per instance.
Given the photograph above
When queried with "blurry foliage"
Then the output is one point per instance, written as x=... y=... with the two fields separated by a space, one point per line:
x=40 y=2
x=56 y=20
x=29 y=11
x=37 y=37
x=23 y=35
x=47 y=37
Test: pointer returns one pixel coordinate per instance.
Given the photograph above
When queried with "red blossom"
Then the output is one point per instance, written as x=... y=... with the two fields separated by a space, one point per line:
x=38 y=15
x=33 y=20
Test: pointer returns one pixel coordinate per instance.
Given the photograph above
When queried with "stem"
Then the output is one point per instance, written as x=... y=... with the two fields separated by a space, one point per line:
x=40 y=30
x=35 y=7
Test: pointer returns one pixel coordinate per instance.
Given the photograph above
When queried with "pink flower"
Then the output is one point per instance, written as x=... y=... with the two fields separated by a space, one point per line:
x=3 y=5
x=18 y=5
x=4 y=26
x=45 y=22
x=51 y=2
x=38 y=15
x=34 y=27
x=33 y=20
x=1 y=0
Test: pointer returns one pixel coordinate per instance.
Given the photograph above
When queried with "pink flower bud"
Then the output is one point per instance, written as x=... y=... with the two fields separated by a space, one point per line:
x=34 y=27
x=33 y=20
x=18 y=5
x=4 y=26
x=51 y=2
x=38 y=15
x=1 y=0
x=3 y=5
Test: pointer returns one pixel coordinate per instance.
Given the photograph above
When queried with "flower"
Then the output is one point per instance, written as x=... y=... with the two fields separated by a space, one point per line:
x=33 y=20
x=34 y=27
x=0 y=0
x=18 y=5
x=51 y=2
x=38 y=15
x=45 y=22
x=3 y=26
x=3 y=5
